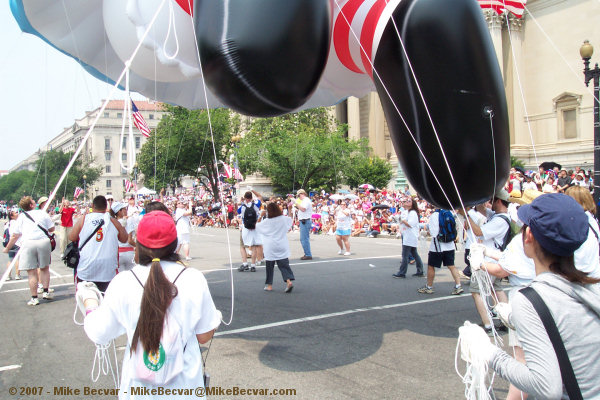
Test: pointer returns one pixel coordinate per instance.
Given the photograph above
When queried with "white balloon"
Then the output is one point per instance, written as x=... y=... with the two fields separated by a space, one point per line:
x=125 y=22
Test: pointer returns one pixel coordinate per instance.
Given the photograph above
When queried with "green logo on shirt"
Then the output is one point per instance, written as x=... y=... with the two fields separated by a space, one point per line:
x=154 y=361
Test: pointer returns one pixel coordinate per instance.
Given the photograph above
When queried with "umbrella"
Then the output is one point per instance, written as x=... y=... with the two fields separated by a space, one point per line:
x=550 y=165
x=380 y=207
x=336 y=197
x=316 y=216
x=366 y=186
x=343 y=191
x=350 y=197
x=519 y=169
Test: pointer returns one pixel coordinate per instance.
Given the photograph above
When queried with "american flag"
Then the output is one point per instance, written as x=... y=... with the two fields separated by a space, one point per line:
x=517 y=7
x=77 y=192
x=139 y=121
x=232 y=172
x=129 y=185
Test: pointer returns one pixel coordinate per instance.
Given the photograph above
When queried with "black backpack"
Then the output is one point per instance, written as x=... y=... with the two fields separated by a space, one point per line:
x=6 y=238
x=250 y=216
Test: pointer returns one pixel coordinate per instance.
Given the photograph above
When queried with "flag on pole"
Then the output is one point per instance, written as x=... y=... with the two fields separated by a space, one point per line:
x=516 y=7
x=77 y=192
x=139 y=121
x=237 y=174
x=128 y=185
x=232 y=172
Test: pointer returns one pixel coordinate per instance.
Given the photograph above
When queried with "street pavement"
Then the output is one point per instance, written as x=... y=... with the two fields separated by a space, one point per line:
x=348 y=330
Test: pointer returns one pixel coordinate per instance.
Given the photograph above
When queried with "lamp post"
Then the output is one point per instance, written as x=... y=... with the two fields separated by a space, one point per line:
x=586 y=52
x=84 y=178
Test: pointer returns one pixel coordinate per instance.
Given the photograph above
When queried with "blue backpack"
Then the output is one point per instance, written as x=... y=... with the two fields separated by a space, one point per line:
x=447 y=227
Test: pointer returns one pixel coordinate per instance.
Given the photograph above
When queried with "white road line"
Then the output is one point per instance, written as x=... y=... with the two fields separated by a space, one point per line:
x=9 y=367
x=54 y=273
x=314 y=262
x=336 y=314
x=27 y=288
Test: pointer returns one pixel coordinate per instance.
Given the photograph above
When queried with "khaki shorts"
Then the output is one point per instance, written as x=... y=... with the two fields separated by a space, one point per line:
x=35 y=254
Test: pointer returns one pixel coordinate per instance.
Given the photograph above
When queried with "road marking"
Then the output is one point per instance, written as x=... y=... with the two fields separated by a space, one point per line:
x=312 y=262
x=9 y=367
x=27 y=288
x=54 y=273
x=335 y=314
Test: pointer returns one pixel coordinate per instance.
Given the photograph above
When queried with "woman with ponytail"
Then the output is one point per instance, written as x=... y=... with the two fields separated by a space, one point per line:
x=164 y=308
x=555 y=226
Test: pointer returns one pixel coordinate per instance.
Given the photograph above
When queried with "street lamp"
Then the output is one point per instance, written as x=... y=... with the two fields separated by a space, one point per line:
x=84 y=178
x=586 y=52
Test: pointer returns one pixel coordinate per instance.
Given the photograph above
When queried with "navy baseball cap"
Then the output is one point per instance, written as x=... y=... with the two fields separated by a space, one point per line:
x=557 y=221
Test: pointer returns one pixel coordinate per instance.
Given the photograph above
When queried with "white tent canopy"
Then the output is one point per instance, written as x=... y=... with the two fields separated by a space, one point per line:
x=145 y=191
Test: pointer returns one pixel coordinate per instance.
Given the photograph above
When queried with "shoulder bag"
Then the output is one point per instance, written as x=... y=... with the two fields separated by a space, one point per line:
x=566 y=369
x=50 y=236
x=72 y=252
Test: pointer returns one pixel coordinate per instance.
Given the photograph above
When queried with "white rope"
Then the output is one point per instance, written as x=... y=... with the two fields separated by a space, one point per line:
x=476 y=370
x=216 y=165
x=173 y=27
x=103 y=364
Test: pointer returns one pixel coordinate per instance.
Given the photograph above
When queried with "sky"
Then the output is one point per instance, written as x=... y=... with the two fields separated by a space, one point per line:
x=42 y=91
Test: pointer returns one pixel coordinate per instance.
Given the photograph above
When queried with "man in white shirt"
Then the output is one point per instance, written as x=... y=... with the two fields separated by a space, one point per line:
x=98 y=260
x=250 y=237
x=439 y=253
x=304 y=206
x=492 y=234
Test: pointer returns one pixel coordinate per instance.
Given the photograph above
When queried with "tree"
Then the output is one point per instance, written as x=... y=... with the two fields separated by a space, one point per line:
x=308 y=150
x=48 y=169
x=373 y=170
x=184 y=147
x=515 y=162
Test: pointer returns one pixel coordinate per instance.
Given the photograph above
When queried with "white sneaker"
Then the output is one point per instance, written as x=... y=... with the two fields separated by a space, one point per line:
x=341 y=252
x=47 y=296
x=33 y=302
x=188 y=258
x=347 y=253
x=40 y=288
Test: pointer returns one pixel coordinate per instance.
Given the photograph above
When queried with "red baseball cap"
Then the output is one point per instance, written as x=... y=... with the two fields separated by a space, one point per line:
x=156 y=230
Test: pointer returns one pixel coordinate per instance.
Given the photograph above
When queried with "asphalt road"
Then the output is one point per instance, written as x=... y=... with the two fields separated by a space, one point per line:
x=347 y=331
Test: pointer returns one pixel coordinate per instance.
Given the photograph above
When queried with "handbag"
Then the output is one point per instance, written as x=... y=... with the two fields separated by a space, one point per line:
x=72 y=251
x=566 y=369
x=50 y=236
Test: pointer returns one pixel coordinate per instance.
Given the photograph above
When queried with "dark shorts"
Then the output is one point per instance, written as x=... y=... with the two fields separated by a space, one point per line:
x=436 y=259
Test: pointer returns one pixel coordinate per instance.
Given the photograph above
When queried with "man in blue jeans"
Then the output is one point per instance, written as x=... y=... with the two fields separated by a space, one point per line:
x=304 y=206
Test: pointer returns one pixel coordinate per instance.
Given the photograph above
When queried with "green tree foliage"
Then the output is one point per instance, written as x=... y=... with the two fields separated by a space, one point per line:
x=184 y=147
x=48 y=169
x=373 y=170
x=305 y=150
x=515 y=162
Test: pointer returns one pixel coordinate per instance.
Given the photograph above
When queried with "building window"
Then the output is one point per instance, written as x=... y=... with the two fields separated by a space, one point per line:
x=106 y=115
x=151 y=116
x=569 y=124
x=107 y=156
x=119 y=115
x=108 y=183
x=138 y=141
x=107 y=169
x=106 y=144
x=566 y=106
x=124 y=144
x=124 y=157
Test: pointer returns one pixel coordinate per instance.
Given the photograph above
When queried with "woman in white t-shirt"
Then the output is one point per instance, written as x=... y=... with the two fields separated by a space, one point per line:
x=35 y=246
x=410 y=238
x=139 y=303
x=276 y=247
x=126 y=250
x=343 y=223
x=8 y=229
x=182 y=221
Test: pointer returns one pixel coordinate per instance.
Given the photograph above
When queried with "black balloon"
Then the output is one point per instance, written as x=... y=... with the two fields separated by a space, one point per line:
x=453 y=59
x=263 y=57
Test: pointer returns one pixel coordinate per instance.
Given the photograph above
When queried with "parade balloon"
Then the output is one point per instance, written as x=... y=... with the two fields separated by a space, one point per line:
x=432 y=63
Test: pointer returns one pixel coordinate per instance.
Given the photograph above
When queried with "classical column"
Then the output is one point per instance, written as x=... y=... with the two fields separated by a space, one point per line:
x=353 y=118
x=519 y=134
x=376 y=126
x=495 y=22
